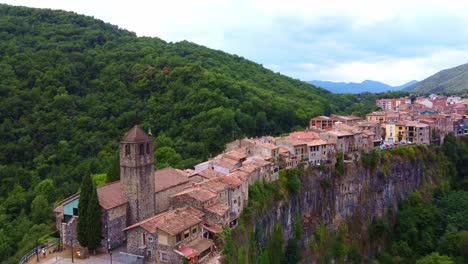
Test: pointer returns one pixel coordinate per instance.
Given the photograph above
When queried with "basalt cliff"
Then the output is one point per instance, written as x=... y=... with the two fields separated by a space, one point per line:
x=341 y=204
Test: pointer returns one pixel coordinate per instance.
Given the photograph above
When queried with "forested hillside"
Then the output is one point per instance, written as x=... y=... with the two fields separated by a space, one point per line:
x=71 y=86
x=453 y=80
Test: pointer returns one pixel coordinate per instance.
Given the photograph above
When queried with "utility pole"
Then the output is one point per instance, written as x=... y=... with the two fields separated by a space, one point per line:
x=71 y=248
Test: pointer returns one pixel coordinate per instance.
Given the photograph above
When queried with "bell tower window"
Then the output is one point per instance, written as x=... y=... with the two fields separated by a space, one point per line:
x=147 y=148
x=142 y=149
x=127 y=150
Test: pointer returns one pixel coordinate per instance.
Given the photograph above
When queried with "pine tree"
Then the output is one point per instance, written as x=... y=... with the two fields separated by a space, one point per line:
x=94 y=221
x=82 y=224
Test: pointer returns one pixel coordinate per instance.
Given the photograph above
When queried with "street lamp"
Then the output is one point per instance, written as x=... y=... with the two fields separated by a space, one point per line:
x=109 y=249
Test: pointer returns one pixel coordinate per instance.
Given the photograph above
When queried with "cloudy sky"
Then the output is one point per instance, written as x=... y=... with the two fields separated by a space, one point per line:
x=335 y=40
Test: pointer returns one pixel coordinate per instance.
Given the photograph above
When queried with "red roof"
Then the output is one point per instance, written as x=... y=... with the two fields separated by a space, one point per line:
x=187 y=251
x=136 y=134
x=169 y=177
x=110 y=195
x=171 y=222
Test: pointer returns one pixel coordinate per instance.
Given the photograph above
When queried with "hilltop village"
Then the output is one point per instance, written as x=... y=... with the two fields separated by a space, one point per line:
x=171 y=214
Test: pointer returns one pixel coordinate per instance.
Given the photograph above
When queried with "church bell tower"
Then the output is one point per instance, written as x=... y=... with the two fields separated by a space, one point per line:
x=136 y=174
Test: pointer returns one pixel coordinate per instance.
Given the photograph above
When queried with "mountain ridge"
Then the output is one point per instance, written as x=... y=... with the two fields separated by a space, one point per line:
x=451 y=80
x=364 y=86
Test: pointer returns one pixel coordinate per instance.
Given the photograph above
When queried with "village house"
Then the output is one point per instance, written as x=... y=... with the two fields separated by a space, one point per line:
x=321 y=123
x=170 y=236
x=380 y=117
x=418 y=133
x=347 y=120
x=392 y=103
x=296 y=146
x=372 y=129
x=287 y=159
x=221 y=164
x=343 y=140
x=389 y=134
x=320 y=152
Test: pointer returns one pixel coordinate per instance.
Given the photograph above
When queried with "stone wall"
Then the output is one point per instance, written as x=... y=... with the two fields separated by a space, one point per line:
x=136 y=245
x=161 y=199
x=114 y=221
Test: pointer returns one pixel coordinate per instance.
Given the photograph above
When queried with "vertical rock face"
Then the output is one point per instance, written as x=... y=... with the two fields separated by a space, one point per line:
x=357 y=196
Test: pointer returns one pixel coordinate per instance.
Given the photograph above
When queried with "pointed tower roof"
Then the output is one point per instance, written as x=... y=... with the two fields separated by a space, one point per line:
x=136 y=134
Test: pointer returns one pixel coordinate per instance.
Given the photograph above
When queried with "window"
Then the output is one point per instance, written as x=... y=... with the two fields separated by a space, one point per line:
x=144 y=238
x=235 y=201
x=75 y=211
x=150 y=238
x=178 y=238
x=147 y=148
x=142 y=149
x=148 y=253
x=127 y=150
x=164 y=257
x=194 y=230
x=186 y=233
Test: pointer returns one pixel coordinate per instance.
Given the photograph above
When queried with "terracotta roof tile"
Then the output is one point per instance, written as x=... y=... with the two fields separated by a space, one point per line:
x=172 y=222
x=217 y=208
x=230 y=180
x=214 y=185
x=110 y=195
x=136 y=134
x=318 y=142
x=199 y=194
x=206 y=173
x=169 y=177
x=235 y=155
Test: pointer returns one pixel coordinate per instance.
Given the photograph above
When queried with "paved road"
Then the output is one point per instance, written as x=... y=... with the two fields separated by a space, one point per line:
x=101 y=259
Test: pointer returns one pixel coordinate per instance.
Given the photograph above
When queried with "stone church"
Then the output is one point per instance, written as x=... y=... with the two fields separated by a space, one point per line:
x=169 y=215
x=141 y=192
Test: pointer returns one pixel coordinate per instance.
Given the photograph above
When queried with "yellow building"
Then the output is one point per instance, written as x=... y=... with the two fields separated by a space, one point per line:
x=389 y=133
x=401 y=131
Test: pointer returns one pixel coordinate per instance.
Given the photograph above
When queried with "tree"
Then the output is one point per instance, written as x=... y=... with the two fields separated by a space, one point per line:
x=94 y=221
x=40 y=210
x=83 y=206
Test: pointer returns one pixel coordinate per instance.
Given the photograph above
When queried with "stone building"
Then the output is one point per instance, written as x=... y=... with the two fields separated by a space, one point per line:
x=168 y=181
x=136 y=174
x=170 y=236
x=141 y=192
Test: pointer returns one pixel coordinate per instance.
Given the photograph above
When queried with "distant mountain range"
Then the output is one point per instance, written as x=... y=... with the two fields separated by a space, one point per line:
x=365 y=86
x=449 y=80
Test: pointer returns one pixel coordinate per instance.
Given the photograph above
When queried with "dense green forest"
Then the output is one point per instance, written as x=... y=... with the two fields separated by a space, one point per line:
x=71 y=86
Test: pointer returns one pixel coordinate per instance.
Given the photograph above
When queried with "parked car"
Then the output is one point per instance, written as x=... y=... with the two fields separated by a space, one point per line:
x=402 y=142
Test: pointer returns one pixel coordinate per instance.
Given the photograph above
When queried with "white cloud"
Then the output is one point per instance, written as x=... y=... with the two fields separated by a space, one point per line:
x=394 y=71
